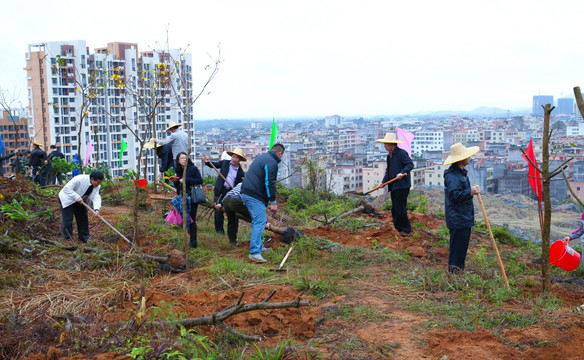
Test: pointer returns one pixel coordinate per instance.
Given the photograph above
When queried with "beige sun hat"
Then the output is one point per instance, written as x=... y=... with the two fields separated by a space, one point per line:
x=459 y=152
x=150 y=144
x=390 y=139
x=172 y=125
x=34 y=142
x=237 y=152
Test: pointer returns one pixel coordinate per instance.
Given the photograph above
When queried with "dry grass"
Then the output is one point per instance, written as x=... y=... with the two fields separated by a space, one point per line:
x=69 y=293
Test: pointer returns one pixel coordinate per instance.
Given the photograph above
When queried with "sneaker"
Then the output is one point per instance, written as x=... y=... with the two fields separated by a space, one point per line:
x=257 y=258
x=265 y=249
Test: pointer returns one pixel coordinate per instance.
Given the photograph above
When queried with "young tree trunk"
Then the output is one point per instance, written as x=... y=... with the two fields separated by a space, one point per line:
x=547 y=208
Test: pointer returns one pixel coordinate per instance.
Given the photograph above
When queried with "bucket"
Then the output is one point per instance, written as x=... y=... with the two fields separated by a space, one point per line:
x=563 y=256
x=141 y=183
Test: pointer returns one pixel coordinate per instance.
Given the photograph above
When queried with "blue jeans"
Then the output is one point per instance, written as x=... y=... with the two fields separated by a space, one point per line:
x=257 y=210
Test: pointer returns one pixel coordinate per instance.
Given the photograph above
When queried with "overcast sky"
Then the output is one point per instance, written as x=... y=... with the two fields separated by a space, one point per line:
x=316 y=58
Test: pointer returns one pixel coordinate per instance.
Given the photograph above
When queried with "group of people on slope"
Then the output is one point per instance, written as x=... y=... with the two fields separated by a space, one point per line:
x=249 y=194
x=39 y=162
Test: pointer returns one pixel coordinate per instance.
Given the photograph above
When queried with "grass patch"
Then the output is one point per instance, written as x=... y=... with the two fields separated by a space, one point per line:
x=351 y=313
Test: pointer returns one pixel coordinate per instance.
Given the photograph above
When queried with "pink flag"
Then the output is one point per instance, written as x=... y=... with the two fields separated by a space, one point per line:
x=89 y=150
x=406 y=137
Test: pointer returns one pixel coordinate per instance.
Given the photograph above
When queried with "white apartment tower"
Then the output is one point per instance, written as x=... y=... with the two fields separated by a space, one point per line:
x=431 y=141
x=67 y=83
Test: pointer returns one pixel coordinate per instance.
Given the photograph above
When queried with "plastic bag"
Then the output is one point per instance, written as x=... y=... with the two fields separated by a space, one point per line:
x=174 y=217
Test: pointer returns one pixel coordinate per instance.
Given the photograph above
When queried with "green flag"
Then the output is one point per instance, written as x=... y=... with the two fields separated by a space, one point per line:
x=274 y=133
x=123 y=148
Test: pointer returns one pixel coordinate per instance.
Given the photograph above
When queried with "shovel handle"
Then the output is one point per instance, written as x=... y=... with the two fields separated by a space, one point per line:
x=381 y=186
x=218 y=172
x=285 y=257
x=108 y=224
x=493 y=240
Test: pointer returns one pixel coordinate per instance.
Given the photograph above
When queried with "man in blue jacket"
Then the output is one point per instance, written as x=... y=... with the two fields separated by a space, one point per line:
x=399 y=165
x=459 y=209
x=258 y=190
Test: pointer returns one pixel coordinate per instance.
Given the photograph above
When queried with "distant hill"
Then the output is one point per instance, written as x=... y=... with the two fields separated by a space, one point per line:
x=482 y=111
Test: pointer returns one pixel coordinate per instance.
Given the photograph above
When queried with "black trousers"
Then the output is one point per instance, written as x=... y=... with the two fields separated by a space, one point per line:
x=80 y=213
x=459 y=239
x=233 y=205
x=219 y=219
x=399 y=211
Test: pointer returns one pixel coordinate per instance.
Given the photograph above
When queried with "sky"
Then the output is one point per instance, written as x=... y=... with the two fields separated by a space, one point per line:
x=314 y=58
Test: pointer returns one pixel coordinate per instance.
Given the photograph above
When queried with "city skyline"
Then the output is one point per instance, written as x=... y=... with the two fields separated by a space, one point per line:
x=321 y=58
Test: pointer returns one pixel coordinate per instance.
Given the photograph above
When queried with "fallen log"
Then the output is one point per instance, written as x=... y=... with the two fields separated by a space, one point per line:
x=175 y=258
x=357 y=209
x=362 y=205
x=218 y=318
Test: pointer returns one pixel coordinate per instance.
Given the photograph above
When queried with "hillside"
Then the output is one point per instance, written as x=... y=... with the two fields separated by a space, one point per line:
x=373 y=293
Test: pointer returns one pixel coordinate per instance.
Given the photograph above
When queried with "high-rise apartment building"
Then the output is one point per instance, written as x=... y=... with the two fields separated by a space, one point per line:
x=78 y=97
x=539 y=101
x=565 y=106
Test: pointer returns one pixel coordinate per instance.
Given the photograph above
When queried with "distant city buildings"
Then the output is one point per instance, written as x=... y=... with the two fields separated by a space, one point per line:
x=78 y=97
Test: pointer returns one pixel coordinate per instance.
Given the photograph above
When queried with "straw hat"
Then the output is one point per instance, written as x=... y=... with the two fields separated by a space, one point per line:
x=172 y=125
x=34 y=142
x=150 y=144
x=390 y=139
x=237 y=152
x=459 y=152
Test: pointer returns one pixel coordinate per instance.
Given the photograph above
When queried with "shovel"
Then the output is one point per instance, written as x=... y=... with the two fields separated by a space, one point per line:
x=284 y=260
x=376 y=188
x=493 y=240
x=110 y=225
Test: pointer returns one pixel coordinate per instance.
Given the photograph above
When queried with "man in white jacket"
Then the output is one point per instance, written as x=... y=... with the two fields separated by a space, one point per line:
x=80 y=189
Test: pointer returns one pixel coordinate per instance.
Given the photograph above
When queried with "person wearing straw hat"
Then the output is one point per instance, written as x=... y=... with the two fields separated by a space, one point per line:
x=399 y=165
x=178 y=139
x=459 y=209
x=38 y=162
x=164 y=154
x=231 y=171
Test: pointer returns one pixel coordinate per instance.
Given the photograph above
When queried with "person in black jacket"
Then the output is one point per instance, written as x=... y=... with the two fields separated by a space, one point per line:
x=39 y=162
x=399 y=165
x=164 y=154
x=231 y=171
x=193 y=178
x=459 y=209
x=53 y=177
x=257 y=190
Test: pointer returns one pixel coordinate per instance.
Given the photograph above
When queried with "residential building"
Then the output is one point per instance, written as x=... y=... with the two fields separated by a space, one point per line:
x=434 y=175
x=433 y=140
x=14 y=134
x=77 y=98
x=565 y=106
x=538 y=102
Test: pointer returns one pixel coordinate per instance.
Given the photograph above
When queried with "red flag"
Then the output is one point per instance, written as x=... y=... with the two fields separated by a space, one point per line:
x=534 y=176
